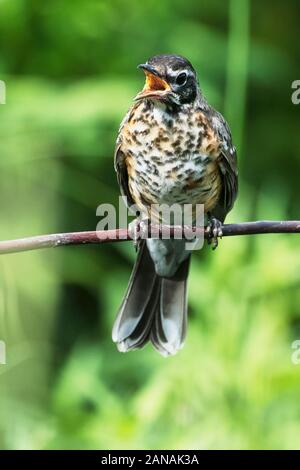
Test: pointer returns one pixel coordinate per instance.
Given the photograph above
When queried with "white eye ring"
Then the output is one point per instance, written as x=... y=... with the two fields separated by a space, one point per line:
x=181 y=79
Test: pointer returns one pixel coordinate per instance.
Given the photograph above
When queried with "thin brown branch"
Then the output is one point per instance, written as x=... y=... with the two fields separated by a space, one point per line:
x=86 y=238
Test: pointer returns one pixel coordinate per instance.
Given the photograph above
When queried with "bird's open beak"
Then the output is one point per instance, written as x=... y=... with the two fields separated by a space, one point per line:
x=155 y=86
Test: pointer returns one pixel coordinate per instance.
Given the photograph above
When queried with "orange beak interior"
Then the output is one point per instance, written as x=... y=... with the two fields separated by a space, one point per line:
x=154 y=86
x=155 y=83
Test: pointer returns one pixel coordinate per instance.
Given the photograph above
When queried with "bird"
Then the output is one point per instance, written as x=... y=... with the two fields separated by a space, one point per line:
x=172 y=147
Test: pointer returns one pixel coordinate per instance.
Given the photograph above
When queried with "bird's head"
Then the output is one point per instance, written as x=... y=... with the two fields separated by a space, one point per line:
x=169 y=78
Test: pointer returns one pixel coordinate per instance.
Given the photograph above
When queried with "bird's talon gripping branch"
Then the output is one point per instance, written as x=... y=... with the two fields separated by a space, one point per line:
x=138 y=230
x=133 y=232
x=214 y=230
x=144 y=228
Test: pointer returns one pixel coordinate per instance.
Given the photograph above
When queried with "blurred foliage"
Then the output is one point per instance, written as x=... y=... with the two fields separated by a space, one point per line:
x=70 y=70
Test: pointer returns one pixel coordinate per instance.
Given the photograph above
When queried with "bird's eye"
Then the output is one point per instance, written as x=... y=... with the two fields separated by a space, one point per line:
x=181 y=79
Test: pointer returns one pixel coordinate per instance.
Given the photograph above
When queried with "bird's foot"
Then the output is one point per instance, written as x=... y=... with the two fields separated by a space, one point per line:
x=138 y=230
x=214 y=230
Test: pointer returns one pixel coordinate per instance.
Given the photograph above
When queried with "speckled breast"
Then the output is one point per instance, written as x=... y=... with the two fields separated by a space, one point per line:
x=171 y=157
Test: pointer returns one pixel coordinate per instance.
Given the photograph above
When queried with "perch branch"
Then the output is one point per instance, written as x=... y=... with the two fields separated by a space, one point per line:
x=98 y=237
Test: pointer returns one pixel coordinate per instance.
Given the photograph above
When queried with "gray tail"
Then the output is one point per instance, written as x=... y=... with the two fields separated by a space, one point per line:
x=153 y=308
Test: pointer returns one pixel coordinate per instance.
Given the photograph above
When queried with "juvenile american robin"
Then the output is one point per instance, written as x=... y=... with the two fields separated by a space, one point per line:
x=172 y=147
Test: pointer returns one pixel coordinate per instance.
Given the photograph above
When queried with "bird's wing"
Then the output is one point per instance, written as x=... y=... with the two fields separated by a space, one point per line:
x=120 y=162
x=122 y=174
x=227 y=166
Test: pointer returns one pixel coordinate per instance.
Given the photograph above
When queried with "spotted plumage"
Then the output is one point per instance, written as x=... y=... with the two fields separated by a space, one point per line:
x=172 y=147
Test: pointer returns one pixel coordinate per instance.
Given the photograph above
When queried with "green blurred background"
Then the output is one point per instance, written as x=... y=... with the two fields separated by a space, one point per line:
x=70 y=70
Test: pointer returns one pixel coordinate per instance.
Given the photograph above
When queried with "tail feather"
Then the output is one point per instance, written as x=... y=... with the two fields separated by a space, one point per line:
x=132 y=325
x=153 y=308
x=140 y=336
x=169 y=326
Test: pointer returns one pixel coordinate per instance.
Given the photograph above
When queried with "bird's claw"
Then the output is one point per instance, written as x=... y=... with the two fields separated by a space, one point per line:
x=138 y=230
x=214 y=230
